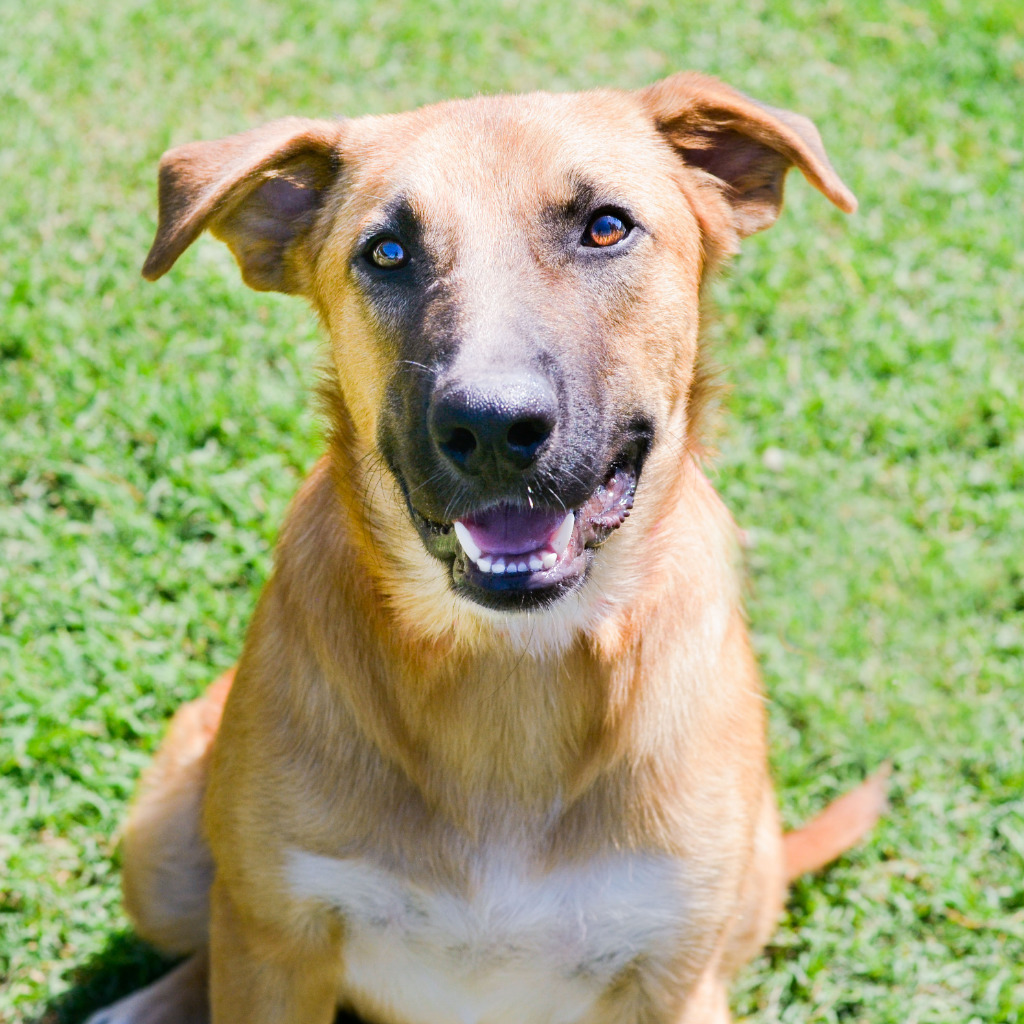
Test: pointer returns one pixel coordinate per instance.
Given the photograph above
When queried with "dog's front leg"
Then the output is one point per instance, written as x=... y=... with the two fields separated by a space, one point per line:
x=259 y=976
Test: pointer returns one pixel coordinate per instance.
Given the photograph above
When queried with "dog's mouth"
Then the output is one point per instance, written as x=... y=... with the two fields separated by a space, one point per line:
x=515 y=556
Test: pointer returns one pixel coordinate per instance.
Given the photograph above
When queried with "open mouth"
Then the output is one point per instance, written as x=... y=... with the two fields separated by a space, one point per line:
x=511 y=555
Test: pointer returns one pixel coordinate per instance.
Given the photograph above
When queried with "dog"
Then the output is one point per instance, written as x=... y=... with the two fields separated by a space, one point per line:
x=494 y=752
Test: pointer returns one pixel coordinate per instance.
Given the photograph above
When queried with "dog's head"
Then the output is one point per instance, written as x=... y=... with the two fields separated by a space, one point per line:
x=511 y=287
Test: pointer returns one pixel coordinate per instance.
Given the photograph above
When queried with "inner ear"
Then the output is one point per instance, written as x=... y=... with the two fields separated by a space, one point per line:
x=753 y=173
x=745 y=147
x=265 y=229
x=261 y=192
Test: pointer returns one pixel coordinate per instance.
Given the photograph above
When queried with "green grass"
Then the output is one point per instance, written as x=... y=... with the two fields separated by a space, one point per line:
x=874 y=444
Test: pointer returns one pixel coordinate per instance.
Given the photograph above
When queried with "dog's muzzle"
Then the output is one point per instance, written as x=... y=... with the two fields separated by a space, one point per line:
x=511 y=488
x=513 y=555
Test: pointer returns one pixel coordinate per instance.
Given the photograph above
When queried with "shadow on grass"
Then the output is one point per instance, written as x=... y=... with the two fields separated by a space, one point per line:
x=126 y=965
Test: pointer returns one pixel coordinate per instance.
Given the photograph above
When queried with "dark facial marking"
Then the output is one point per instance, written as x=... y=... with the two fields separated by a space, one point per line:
x=392 y=270
x=390 y=241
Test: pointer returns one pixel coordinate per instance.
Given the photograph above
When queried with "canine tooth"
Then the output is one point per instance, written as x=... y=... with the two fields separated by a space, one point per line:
x=484 y=563
x=548 y=559
x=466 y=540
x=535 y=563
x=498 y=565
x=561 y=538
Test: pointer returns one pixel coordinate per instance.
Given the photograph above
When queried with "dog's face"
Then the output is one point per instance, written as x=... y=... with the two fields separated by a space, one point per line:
x=511 y=287
x=517 y=273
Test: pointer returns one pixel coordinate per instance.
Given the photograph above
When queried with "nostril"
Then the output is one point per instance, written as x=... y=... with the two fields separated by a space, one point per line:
x=459 y=444
x=528 y=435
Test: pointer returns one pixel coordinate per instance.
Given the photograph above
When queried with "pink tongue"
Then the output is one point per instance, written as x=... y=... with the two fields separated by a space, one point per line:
x=510 y=530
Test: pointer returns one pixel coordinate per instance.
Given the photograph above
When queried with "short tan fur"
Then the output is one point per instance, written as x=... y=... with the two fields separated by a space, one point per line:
x=410 y=800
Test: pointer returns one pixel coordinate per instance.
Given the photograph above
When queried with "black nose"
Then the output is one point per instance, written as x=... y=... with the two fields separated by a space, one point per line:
x=496 y=423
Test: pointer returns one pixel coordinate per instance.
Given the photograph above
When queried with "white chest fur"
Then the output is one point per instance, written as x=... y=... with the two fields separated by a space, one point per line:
x=520 y=948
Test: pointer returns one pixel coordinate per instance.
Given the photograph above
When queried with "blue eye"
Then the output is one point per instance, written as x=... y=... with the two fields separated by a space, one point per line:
x=388 y=254
x=606 y=229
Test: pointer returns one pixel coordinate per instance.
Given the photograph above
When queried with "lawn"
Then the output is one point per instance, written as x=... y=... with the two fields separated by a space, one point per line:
x=873 y=444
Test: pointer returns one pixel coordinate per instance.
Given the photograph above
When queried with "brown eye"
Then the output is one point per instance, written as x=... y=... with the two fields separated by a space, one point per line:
x=387 y=254
x=606 y=229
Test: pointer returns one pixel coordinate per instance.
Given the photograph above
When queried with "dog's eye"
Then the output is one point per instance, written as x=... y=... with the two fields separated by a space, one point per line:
x=606 y=228
x=387 y=253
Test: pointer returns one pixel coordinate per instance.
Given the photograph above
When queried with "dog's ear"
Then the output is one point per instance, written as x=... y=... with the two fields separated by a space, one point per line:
x=260 y=192
x=745 y=146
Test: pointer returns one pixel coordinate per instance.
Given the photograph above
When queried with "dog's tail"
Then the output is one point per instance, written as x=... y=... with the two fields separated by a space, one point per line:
x=841 y=825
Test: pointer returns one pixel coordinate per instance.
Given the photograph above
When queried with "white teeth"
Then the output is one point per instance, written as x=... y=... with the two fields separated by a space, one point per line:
x=535 y=561
x=466 y=540
x=561 y=538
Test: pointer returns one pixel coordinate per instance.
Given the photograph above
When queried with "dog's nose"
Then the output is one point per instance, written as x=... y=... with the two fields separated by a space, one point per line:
x=497 y=423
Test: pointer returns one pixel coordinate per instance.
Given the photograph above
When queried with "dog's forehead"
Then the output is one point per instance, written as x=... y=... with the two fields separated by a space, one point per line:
x=508 y=154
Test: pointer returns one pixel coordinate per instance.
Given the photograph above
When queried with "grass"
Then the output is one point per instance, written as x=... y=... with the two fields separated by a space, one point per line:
x=874 y=446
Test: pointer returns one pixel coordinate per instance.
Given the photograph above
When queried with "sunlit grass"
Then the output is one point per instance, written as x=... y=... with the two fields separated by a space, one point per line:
x=873 y=447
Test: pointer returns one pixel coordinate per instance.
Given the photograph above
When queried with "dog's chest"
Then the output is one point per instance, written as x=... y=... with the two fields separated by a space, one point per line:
x=519 y=947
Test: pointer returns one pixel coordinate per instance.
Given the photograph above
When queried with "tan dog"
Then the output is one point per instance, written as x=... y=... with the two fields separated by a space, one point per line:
x=491 y=755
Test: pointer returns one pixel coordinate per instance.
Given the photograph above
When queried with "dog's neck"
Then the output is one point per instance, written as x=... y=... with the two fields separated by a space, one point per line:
x=488 y=718
x=499 y=726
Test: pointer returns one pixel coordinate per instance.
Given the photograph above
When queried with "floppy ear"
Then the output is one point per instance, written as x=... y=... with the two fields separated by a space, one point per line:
x=260 y=192
x=745 y=146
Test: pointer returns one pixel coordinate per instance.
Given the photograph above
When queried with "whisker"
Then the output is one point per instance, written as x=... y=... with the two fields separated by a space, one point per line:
x=544 y=485
x=414 y=365
x=569 y=472
x=430 y=479
x=373 y=484
x=558 y=498
x=455 y=499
